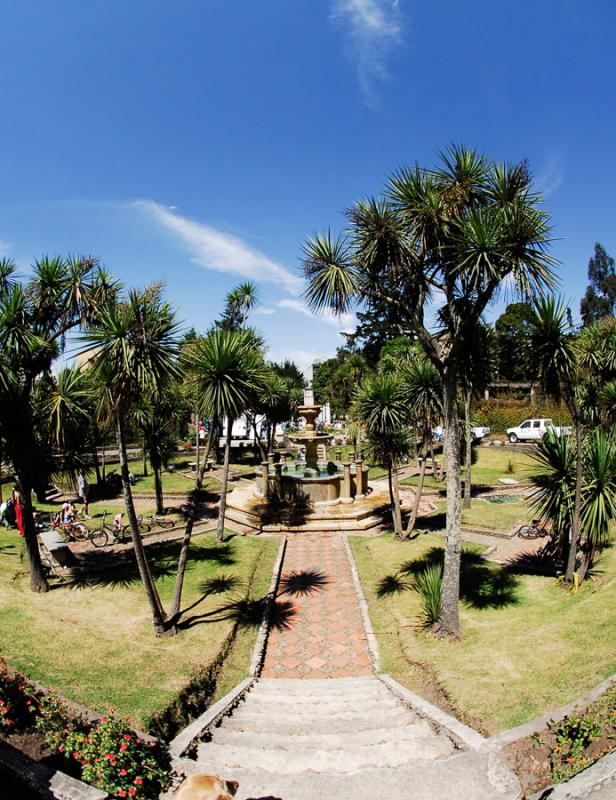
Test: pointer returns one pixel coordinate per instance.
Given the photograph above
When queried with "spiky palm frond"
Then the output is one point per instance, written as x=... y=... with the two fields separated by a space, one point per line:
x=228 y=373
x=599 y=489
x=333 y=279
x=551 y=352
x=554 y=481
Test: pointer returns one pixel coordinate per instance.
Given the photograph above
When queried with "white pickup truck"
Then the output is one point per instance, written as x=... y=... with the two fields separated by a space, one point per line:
x=533 y=429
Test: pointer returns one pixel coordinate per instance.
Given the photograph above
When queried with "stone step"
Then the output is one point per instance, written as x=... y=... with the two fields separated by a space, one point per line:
x=320 y=706
x=390 y=712
x=291 y=725
x=329 y=741
x=332 y=687
x=284 y=761
x=463 y=776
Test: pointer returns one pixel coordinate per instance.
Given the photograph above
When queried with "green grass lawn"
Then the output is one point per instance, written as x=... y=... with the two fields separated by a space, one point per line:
x=492 y=463
x=484 y=514
x=95 y=643
x=528 y=646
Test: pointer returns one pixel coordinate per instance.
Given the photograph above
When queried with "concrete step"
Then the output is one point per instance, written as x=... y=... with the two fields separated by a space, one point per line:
x=390 y=714
x=321 y=705
x=312 y=685
x=463 y=776
x=298 y=726
x=328 y=741
x=286 y=761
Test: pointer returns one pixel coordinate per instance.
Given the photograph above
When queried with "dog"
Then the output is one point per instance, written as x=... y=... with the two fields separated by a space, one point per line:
x=206 y=787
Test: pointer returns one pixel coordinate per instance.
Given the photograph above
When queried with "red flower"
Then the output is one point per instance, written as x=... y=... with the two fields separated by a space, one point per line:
x=132 y=792
x=123 y=772
x=127 y=737
x=139 y=781
x=122 y=793
x=123 y=746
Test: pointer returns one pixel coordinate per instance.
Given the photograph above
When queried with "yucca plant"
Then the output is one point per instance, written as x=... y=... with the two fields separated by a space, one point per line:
x=429 y=585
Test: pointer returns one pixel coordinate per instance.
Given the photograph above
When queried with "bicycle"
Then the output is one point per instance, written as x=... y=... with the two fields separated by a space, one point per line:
x=533 y=531
x=160 y=522
x=105 y=530
x=74 y=531
x=142 y=527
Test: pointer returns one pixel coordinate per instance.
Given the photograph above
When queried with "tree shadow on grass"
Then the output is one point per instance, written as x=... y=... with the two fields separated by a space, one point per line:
x=247 y=614
x=107 y=568
x=481 y=585
x=304 y=582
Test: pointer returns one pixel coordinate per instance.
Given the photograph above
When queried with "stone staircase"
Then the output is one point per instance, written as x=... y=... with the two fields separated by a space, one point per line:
x=347 y=739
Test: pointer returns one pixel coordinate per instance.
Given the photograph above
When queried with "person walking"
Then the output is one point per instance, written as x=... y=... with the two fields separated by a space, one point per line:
x=82 y=491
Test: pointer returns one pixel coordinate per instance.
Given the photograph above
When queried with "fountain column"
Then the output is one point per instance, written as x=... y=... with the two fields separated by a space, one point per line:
x=265 y=487
x=359 y=478
x=346 y=491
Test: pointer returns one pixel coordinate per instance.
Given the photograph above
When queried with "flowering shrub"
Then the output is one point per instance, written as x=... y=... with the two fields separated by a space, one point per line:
x=54 y=721
x=18 y=702
x=114 y=758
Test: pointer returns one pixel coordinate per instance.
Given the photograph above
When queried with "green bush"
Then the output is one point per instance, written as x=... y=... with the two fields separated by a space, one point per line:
x=503 y=413
x=429 y=584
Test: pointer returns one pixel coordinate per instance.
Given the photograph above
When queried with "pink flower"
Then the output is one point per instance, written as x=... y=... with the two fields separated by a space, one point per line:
x=123 y=772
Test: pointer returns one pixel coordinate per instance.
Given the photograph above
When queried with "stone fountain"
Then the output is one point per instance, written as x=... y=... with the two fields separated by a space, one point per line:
x=318 y=493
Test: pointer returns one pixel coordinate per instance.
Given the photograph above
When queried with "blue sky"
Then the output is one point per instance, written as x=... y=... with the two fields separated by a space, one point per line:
x=202 y=141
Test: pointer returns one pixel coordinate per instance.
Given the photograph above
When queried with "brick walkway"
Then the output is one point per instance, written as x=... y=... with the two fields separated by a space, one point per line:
x=322 y=635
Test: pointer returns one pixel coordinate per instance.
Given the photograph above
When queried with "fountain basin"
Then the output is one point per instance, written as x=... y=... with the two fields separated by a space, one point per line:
x=321 y=484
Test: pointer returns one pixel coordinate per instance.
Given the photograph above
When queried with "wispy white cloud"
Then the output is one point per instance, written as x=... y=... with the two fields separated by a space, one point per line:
x=371 y=29
x=220 y=251
x=303 y=358
x=264 y=311
x=345 y=323
x=552 y=175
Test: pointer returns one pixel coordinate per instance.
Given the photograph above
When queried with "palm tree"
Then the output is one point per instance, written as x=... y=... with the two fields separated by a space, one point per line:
x=423 y=393
x=229 y=371
x=380 y=405
x=135 y=357
x=555 y=489
x=552 y=359
x=450 y=237
x=35 y=320
x=598 y=495
x=156 y=419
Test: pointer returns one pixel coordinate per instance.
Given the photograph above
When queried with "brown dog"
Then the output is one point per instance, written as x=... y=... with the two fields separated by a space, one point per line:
x=206 y=787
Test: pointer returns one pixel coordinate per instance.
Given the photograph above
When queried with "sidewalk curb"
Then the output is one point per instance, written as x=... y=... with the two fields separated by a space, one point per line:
x=371 y=640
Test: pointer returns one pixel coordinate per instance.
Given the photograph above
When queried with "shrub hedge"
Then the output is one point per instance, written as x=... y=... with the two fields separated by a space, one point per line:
x=503 y=413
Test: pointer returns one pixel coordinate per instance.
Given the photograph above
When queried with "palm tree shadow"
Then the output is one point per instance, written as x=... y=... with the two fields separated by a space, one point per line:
x=248 y=614
x=219 y=584
x=304 y=582
x=482 y=585
x=119 y=568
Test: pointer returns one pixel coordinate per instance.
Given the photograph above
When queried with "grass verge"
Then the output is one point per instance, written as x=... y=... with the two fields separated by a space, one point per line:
x=94 y=643
x=528 y=646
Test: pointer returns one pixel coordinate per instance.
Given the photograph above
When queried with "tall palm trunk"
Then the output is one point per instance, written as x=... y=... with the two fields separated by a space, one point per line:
x=145 y=459
x=158 y=614
x=206 y=457
x=158 y=488
x=262 y=452
x=97 y=468
x=419 y=491
x=38 y=580
x=397 y=506
x=197 y=443
x=222 y=508
x=468 y=455
x=449 y=622
x=103 y=463
x=577 y=500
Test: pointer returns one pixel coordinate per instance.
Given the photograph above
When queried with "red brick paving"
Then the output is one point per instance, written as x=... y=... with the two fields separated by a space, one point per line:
x=324 y=638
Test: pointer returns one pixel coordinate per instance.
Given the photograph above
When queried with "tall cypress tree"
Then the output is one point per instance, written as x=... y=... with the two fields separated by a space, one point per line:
x=600 y=298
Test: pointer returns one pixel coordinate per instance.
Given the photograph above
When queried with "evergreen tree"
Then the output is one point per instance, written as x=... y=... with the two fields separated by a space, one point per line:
x=600 y=298
x=512 y=329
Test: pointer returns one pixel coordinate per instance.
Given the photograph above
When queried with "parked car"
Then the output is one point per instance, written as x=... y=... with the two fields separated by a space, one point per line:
x=533 y=429
x=480 y=432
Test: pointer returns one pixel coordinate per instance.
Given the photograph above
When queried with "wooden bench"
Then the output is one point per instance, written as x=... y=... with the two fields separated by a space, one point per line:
x=56 y=552
x=208 y=466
